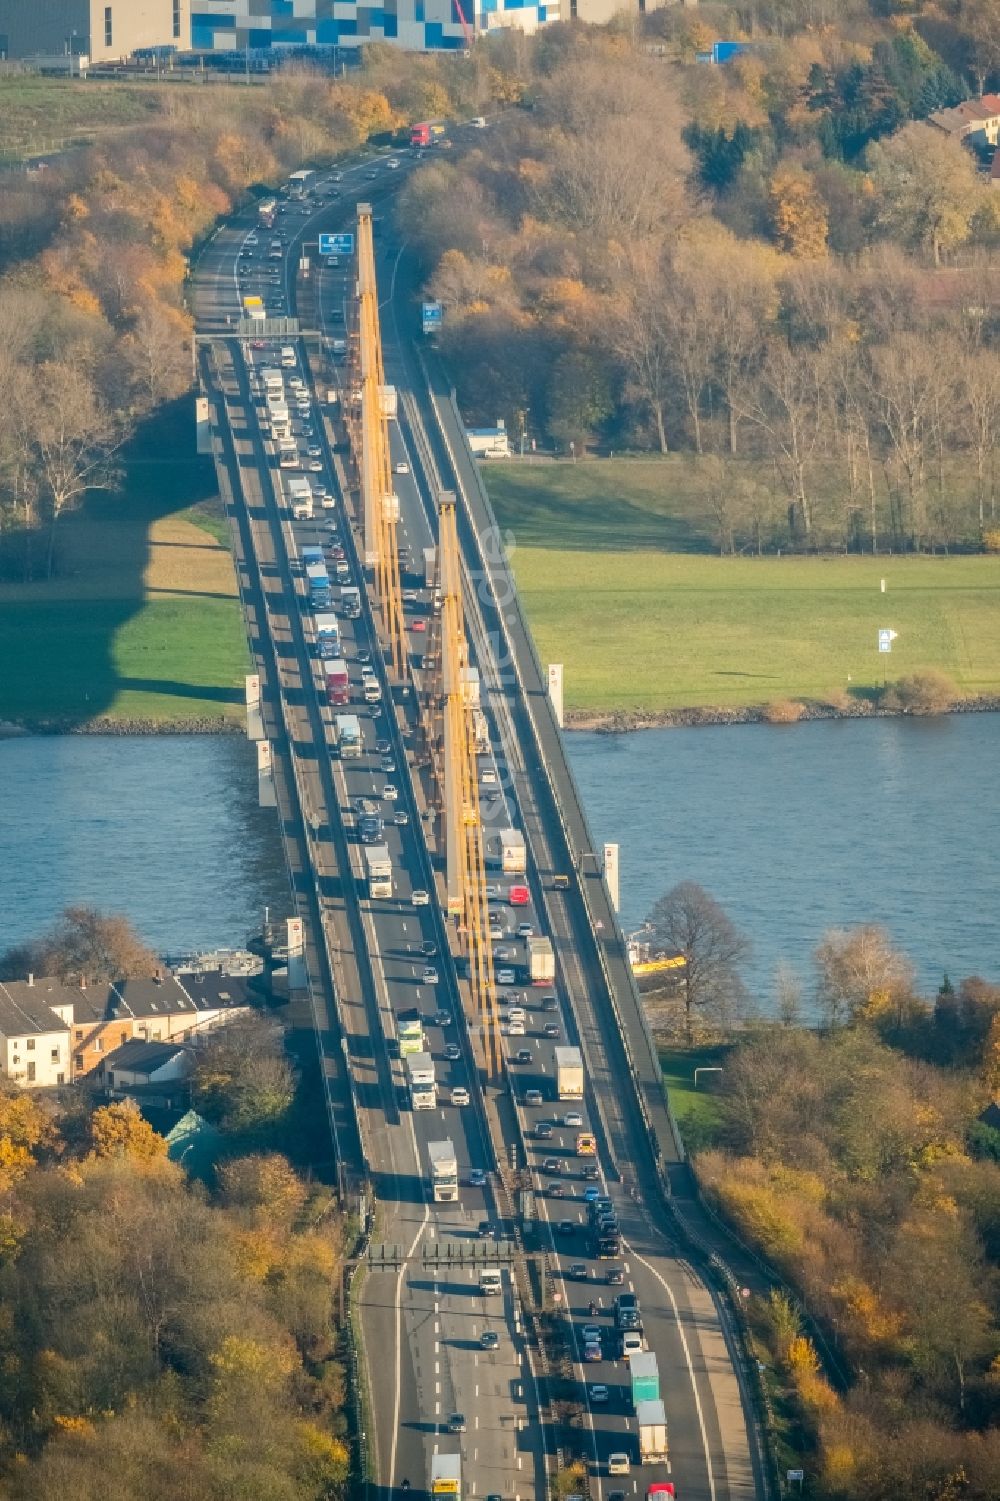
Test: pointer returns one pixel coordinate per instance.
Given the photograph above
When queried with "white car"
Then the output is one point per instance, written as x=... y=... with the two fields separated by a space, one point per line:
x=401 y=468
x=573 y=1118
x=390 y=793
x=459 y=1096
x=420 y=898
x=429 y=975
x=393 y=163
x=315 y=466
x=618 y=1464
x=515 y=1029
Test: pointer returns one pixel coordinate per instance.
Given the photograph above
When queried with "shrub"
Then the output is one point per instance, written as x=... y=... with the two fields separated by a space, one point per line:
x=926 y=692
x=837 y=699
x=783 y=711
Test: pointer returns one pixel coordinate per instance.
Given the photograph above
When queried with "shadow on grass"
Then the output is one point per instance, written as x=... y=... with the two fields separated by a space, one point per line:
x=61 y=650
x=550 y=506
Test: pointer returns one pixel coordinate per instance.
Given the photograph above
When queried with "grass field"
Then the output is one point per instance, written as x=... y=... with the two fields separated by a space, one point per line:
x=621 y=587
x=37 y=114
x=696 y=1109
x=143 y=620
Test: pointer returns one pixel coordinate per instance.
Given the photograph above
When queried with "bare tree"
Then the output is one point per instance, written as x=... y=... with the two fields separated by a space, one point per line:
x=641 y=335
x=688 y=921
x=158 y=346
x=787 y=399
x=979 y=416
x=83 y=944
x=74 y=438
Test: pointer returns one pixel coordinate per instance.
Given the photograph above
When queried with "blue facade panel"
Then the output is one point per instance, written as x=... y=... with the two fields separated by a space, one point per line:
x=296 y=22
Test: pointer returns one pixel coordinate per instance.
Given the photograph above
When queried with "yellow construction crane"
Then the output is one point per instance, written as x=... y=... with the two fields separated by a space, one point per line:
x=464 y=835
x=379 y=503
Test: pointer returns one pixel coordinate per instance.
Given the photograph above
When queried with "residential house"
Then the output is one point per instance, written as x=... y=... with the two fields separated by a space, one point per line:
x=161 y=1008
x=975 y=121
x=52 y=1033
x=35 y=1018
x=139 y=1064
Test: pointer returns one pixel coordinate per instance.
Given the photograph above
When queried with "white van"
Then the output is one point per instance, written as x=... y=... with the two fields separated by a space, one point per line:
x=288 y=360
x=490 y=1281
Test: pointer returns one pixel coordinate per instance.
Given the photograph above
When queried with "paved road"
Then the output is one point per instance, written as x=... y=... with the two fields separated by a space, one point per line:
x=423 y=1331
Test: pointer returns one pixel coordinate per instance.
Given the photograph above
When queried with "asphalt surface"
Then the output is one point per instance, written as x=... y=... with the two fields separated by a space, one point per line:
x=423 y=1325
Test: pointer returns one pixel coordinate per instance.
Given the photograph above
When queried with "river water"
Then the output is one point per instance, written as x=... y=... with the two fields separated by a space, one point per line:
x=164 y=828
x=793 y=829
x=796 y=829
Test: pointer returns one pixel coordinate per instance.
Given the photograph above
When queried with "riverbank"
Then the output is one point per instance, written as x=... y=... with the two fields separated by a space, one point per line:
x=653 y=626
x=625 y=721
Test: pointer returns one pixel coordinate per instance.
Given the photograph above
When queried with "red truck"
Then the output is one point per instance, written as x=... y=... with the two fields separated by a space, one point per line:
x=338 y=689
x=423 y=133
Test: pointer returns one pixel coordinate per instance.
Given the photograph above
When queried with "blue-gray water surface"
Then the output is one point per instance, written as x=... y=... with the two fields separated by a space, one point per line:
x=796 y=829
x=793 y=829
x=163 y=828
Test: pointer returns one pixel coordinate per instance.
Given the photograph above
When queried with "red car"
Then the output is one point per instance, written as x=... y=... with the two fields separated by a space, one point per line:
x=519 y=896
x=419 y=625
x=662 y=1490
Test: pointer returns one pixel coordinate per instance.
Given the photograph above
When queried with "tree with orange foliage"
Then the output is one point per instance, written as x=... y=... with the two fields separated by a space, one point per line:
x=798 y=214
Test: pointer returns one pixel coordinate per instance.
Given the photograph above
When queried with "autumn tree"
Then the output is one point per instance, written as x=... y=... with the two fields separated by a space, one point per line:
x=928 y=187
x=689 y=922
x=265 y=1185
x=242 y=1079
x=83 y=944
x=860 y=975
x=119 y=1130
x=798 y=215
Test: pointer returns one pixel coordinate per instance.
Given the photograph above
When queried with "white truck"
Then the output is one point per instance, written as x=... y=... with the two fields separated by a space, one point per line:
x=327 y=634
x=279 y=419
x=569 y=1073
x=651 y=1421
x=446 y=1476
x=444 y=1171
x=470 y=687
x=513 y=855
x=420 y=1077
x=481 y=732
x=272 y=379
x=541 y=961
x=300 y=497
x=378 y=864
x=348 y=728
x=430 y=566
x=387 y=401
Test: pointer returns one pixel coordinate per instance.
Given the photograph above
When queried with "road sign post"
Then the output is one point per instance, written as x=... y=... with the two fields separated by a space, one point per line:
x=340 y=244
x=885 y=639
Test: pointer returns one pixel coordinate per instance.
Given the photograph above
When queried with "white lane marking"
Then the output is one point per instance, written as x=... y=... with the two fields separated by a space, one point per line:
x=687 y=1356
x=397 y=1396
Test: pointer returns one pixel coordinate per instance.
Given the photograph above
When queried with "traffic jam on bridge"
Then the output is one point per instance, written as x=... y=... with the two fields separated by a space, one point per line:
x=459 y=1414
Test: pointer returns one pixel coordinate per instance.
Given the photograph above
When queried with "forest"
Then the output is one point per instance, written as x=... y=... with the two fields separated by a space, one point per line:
x=861 y=1158
x=779 y=260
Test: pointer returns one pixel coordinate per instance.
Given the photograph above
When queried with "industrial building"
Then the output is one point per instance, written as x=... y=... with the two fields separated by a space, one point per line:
x=94 y=29
x=418 y=25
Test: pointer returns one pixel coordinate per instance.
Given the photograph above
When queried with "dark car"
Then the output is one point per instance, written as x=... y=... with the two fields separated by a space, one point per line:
x=543 y=1131
x=614 y=1276
x=590 y=1171
x=550 y=1003
x=428 y=949
x=578 y=1271
x=567 y=1227
x=523 y=1055
x=556 y=1190
x=551 y=1029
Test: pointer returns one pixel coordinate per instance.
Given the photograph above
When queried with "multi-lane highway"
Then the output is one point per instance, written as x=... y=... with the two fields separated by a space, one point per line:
x=437 y=1349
